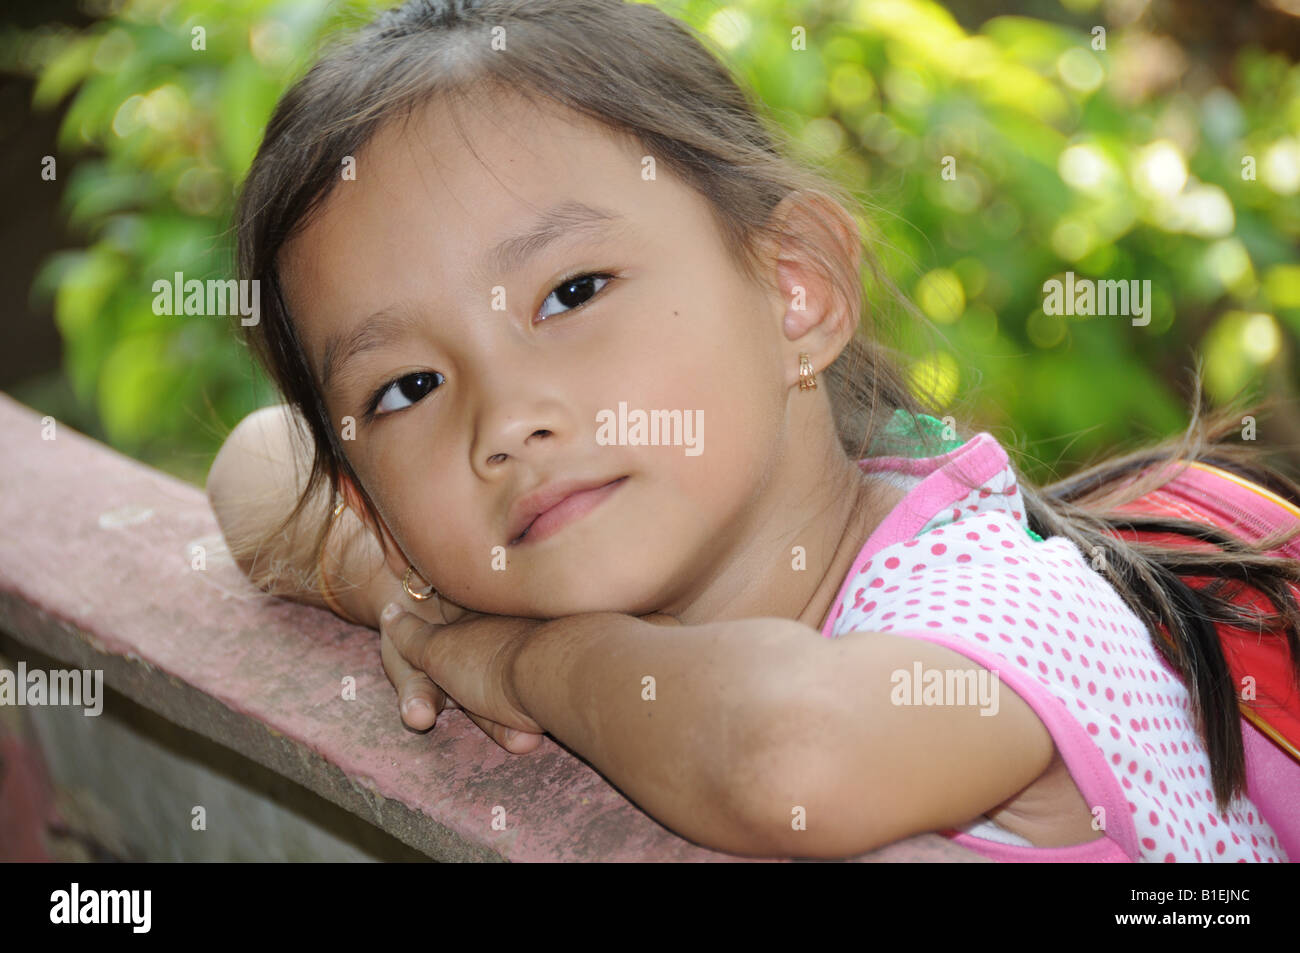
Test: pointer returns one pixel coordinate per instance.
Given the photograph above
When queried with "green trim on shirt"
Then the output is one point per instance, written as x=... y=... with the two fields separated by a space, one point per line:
x=905 y=436
x=919 y=436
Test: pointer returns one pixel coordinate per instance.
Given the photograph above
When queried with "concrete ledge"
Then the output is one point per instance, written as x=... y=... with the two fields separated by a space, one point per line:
x=124 y=787
x=96 y=559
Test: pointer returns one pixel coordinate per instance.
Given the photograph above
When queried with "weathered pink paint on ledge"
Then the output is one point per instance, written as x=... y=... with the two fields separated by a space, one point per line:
x=95 y=570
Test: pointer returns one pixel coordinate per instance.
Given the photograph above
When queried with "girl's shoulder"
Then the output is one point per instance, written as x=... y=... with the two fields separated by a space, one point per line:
x=964 y=479
x=955 y=564
x=963 y=516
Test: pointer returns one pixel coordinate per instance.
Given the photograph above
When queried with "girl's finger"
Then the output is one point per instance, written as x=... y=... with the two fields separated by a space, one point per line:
x=418 y=698
x=420 y=701
x=521 y=742
x=409 y=634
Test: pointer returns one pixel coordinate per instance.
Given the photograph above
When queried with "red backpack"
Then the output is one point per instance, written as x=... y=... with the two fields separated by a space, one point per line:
x=1271 y=719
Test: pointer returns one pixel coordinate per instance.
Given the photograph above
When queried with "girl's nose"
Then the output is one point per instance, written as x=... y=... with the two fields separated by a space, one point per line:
x=500 y=457
x=525 y=429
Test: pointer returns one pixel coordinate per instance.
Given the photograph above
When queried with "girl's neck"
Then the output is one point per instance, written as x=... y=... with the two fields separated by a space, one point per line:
x=873 y=500
x=808 y=548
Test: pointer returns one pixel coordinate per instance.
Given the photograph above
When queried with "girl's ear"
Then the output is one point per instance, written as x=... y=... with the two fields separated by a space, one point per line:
x=394 y=559
x=351 y=496
x=822 y=322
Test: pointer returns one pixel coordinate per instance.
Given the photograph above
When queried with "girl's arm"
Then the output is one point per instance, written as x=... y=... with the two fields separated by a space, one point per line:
x=743 y=722
x=254 y=482
x=757 y=737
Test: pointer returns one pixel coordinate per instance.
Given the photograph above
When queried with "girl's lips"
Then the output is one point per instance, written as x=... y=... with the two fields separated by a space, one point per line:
x=568 y=510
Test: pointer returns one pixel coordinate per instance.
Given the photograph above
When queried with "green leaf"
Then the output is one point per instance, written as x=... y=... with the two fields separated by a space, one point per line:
x=62 y=74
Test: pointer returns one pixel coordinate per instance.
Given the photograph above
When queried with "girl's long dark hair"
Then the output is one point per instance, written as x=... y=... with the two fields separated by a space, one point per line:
x=646 y=76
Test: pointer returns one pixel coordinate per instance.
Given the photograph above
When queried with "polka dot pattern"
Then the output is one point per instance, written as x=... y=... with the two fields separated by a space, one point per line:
x=973 y=575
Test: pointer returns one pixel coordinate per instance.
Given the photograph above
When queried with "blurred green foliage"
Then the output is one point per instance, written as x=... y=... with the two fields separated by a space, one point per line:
x=987 y=164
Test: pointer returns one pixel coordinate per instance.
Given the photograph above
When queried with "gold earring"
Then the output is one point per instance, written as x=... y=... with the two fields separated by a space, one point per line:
x=406 y=584
x=807 y=379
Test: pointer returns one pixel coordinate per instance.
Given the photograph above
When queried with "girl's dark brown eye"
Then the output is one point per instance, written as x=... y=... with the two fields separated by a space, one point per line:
x=411 y=388
x=574 y=292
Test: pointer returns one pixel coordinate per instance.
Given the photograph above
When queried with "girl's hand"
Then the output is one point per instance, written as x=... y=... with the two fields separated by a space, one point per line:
x=419 y=699
x=469 y=658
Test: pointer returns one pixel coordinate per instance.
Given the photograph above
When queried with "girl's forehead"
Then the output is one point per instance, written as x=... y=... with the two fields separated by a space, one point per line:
x=479 y=168
x=499 y=143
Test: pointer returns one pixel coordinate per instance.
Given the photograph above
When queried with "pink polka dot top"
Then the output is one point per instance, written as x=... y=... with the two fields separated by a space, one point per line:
x=955 y=563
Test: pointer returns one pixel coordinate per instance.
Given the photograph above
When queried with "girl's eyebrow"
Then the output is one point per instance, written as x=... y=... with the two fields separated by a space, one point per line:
x=374 y=332
x=562 y=220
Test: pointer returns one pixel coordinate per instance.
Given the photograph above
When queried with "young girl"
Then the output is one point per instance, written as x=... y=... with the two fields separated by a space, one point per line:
x=577 y=348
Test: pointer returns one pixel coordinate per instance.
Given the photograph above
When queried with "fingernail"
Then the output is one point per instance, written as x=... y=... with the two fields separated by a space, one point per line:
x=391 y=612
x=510 y=734
x=414 y=705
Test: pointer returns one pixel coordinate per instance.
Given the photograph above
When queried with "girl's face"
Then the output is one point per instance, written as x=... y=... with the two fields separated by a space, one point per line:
x=479 y=316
